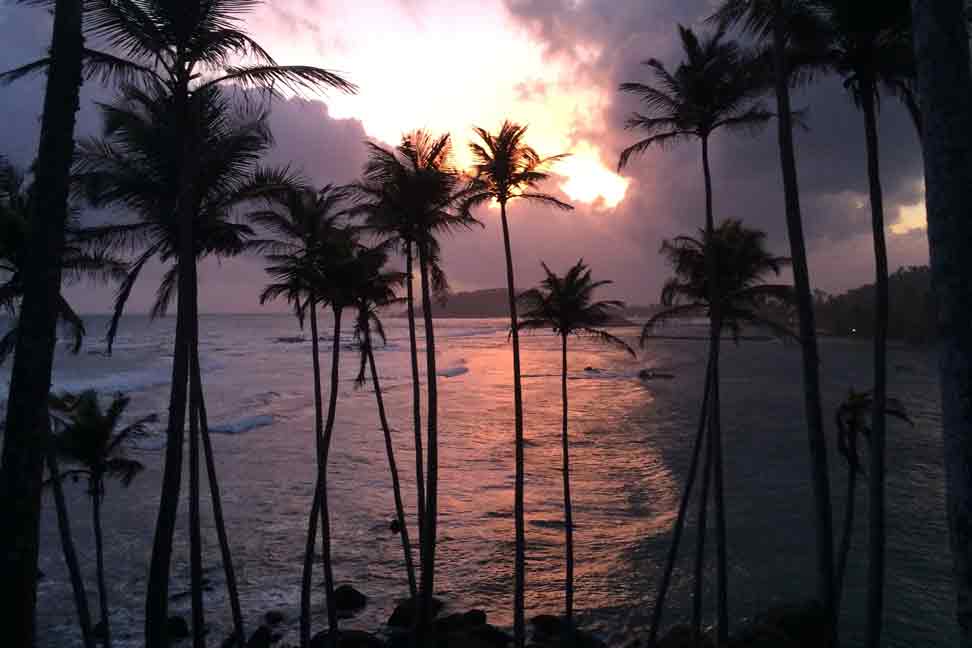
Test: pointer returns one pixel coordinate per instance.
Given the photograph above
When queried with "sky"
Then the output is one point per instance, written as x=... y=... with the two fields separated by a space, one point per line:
x=555 y=65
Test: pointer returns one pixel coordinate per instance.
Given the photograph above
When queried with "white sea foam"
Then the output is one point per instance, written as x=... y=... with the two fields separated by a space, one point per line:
x=243 y=425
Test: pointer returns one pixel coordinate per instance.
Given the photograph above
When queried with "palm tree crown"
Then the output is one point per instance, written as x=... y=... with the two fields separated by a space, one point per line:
x=717 y=86
x=566 y=305
x=742 y=261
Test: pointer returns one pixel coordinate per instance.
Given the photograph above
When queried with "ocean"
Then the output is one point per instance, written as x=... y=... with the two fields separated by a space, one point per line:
x=630 y=442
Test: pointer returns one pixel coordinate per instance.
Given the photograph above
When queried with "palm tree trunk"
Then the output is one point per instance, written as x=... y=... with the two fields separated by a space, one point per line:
x=941 y=39
x=432 y=465
x=813 y=409
x=305 y=589
x=416 y=392
x=332 y=618
x=70 y=555
x=21 y=474
x=224 y=548
x=568 y=508
x=715 y=430
x=656 y=613
x=157 y=592
x=97 y=488
x=876 y=535
x=700 y=548
x=847 y=533
x=519 y=567
x=195 y=530
x=396 y=487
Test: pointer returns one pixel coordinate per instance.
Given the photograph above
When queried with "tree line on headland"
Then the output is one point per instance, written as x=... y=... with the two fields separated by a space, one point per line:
x=180 y=161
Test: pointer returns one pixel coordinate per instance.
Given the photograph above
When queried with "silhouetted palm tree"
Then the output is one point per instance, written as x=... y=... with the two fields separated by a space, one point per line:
x=183 y=49
x=89 y=436
x=505 y=168
x=853 y=423
x=22 y=467
x=868 y=44
x=410 y=195
x=76 y=262
x=940 y=33
x=307 y=239
x=566 y=305
x=717 y=87
x=375 y=290
x=739 y=293
x=135 y=167
x=773 y=22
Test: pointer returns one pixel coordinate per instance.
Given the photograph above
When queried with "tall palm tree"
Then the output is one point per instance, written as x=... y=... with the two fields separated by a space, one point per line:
x=89 y=436
x=76 y=262
x=735 y=300
x=773 y=22
x=134 y=167
x=868 y=45
x=184 y=49
x=505 y=168
x=716 y=88
x=566 y=305
x=940 y=39
x=22 y=464
x=853 y=422
x=307 y=241
x=375 y=290
x=409 y=196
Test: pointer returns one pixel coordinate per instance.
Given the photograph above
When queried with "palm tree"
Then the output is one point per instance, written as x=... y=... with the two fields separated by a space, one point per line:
x=307 y=241
x=22 y=466
x=566 y=305
x=184 y=49
x=135 y=166
x=853 y=422
x=409 y=196
x=940 y=39
x=90 y=437
x=741 y=261
x=868 y=44
x=376 y=290
x=717 y=87
x=773 y=21
x=76 y=262
x=505 y=168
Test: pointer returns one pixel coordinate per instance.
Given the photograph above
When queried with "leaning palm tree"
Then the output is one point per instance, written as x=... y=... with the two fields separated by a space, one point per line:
x=374 y=291
x=940 y=39
x=409 y=196
x=76 y=262
x=853 y=423
x=868 y=45
x=735 y=300
x=566 y=305
x=89 y=437
x=717 y=87
x=22 y=467
x=778 y=23
x=306 y=239
x=505 y=168
x=134 y=167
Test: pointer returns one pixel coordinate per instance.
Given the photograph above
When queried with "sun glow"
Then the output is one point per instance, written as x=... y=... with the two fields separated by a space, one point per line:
x=455 y=66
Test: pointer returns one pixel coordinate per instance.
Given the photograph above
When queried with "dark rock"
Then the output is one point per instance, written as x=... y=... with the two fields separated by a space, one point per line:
x=404 y=613
x=347 y=598
x=474 y=618
x=261 y=638
x=348 y=639
x=41 y=575
x=546 y=625
x=177 y=627
x=491 y=635
x=98 y=631
x=274 y=617
x=804 y=623
x=449 y=624
x=394 y=526
x=592 y=370
x=651 y=374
